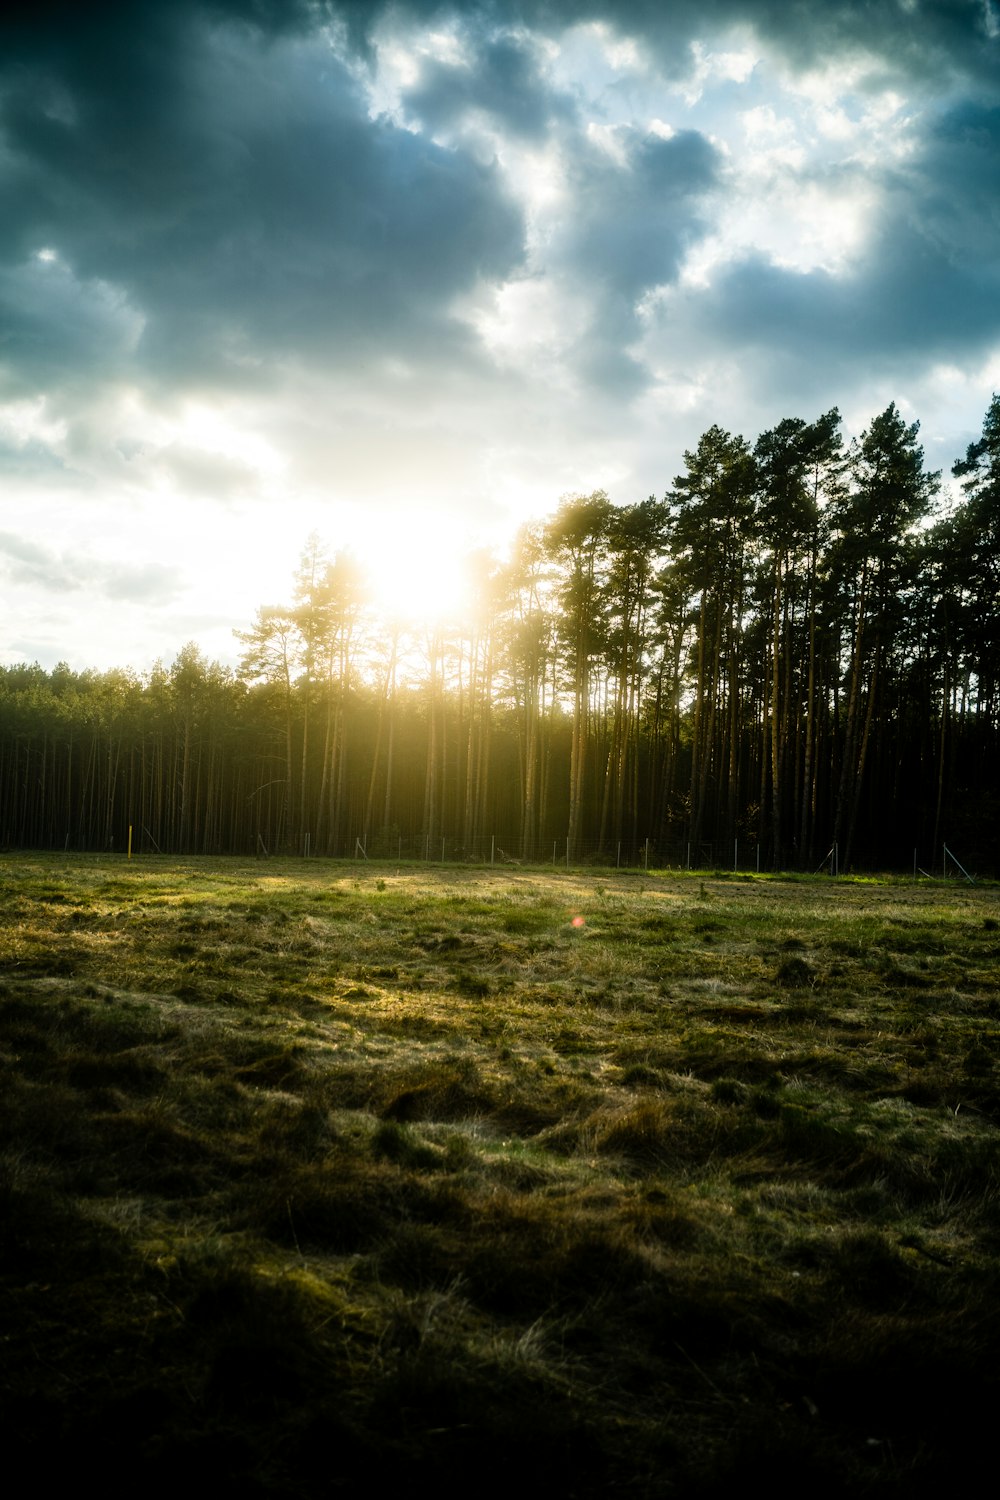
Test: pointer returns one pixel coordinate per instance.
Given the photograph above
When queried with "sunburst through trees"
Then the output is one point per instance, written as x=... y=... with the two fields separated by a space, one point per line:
x=784 y=655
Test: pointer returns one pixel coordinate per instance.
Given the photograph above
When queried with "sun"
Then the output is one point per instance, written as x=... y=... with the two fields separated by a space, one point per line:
x=416 y=568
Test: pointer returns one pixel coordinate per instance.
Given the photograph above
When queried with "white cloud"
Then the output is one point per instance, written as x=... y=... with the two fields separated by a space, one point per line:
x=710 y=67
x=29 y=421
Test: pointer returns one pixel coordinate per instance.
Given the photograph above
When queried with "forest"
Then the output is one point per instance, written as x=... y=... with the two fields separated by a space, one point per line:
x=790 y=661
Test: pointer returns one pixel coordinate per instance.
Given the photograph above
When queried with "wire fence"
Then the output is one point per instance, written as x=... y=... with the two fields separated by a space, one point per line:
x=720 y=857
x=746 y=857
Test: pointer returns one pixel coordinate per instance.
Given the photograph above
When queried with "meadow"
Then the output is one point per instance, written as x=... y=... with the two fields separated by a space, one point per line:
x=316 y=1176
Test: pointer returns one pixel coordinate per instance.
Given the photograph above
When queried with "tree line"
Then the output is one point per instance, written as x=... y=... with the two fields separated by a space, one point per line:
x=794 y=653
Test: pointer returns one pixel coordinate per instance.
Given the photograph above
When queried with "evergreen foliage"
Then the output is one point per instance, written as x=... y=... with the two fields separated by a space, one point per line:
x=782 y=655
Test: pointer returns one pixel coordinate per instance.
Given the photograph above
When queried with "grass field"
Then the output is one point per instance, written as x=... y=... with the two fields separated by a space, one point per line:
x=317 y=1176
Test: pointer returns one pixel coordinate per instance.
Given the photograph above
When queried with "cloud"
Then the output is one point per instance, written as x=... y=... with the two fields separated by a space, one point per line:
x=28 y=563
x=913 y=39
x=222 y=203
x=633 y=217
x=955 y=181
x=499 y=77
x=924 y=286
x=231 y=198
x=212 y=475
x=260 y=257
x=54 y=325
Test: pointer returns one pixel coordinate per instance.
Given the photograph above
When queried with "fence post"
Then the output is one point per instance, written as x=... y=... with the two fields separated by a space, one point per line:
x=959 y=864
x=567 y=851
x=647 y=856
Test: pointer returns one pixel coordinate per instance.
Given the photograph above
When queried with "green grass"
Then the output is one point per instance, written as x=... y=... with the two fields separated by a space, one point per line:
x=313 y=1176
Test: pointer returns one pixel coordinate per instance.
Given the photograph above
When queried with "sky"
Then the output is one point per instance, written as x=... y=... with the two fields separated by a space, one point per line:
x=407 y=274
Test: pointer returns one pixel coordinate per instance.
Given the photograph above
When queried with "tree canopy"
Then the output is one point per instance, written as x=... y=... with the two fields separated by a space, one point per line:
x=792 y=651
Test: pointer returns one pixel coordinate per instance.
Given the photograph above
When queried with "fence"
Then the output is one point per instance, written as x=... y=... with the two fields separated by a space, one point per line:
x=736 y=856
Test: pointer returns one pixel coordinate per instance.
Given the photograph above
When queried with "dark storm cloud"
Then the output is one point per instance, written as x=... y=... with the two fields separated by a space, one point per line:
x=236 y=194
x=502 y=79
x=326 y=235
x=917 y=39
x=632 y=219
x=145 y=40
x=927 y=283
x=913 y=303
x=926 y=286
x=222 y=203
x=956 y=179
x=51 y=324
x=632 y=208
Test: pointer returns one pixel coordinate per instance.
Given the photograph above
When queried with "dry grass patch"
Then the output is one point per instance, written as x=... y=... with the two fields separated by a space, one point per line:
x=360 y=1175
